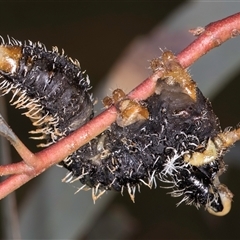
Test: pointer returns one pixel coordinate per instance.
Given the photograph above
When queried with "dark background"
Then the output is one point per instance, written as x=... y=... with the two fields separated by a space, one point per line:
x=96 y=33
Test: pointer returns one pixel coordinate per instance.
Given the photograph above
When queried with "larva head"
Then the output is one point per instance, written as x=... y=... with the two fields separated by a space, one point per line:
x=9 y=58
x=221 y=205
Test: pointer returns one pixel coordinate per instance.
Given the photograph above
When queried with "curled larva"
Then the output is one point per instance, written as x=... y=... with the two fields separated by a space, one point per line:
x=173 y=136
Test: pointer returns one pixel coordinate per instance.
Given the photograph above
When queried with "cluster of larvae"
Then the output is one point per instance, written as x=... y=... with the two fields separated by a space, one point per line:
x=173 y=136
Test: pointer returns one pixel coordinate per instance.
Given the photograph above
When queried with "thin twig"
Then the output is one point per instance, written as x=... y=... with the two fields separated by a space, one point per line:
x=214 y=35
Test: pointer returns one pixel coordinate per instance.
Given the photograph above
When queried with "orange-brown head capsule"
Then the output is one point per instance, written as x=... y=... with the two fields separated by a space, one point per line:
x=9 y=58
x=118 y=94
x=107 y=102
x=130 y=112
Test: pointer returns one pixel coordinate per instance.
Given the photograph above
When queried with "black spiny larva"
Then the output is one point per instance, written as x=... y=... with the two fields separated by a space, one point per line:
x=49 y=85
x=173 y=136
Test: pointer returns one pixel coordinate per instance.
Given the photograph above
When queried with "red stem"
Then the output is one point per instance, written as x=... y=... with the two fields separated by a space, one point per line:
x=215 y=34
